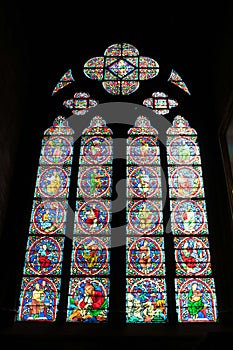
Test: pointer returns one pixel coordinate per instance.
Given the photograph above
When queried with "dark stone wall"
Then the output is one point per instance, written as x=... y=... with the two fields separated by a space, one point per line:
x=10 y=109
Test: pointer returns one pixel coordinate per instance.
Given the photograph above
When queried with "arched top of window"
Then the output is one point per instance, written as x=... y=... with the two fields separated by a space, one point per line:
x=180 y=126
x=97 y=126
x=60 y=127
x=142 y=126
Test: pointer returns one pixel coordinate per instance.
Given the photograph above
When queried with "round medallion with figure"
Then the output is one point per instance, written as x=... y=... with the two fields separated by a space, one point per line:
x=91 y=255
x=192 y=256
x=143 y=150
x=93 y=216
x=183 y=150
x=95 y=182
x=145 y=256
x=186 y=182
x=97 y=150
x=49 y=217
x=144 y=217
x=143 y=182
x=53 y=182
x=57 y=150
x=44 y=255
x=189 y=216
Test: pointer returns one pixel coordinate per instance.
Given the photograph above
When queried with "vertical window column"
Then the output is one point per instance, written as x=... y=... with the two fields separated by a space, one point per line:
x=146 y=298
x=194 y=283
x=88 y=299
x=40 y=287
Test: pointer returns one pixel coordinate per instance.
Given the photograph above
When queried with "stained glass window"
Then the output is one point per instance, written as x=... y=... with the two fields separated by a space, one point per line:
x=88 y=299
x=194 y=282
x=65 y=80
x=87 y=286
x=40 y=287
x=146 y=298
x=121 y=69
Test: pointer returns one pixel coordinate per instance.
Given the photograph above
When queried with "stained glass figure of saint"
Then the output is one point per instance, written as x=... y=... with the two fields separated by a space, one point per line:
x=39 y=299
x=88 y=300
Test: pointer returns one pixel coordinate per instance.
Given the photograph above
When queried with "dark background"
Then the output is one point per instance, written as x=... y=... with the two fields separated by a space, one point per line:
x=38 y=45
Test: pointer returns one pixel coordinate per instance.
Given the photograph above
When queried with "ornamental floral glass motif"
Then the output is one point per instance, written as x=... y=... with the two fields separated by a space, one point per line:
x=121 y=69
x=88 y=299
x=194 y=283
x=160 y=103
x=146 y=299
x=80 y=103
x=40 y=287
